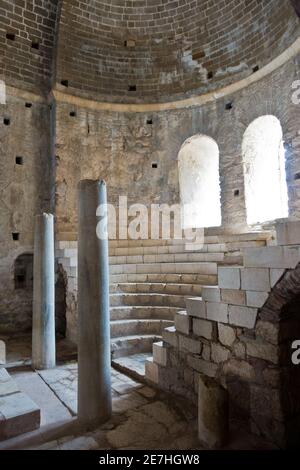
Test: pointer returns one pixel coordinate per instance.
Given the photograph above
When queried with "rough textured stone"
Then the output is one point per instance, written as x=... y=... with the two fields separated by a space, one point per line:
x=242 y=316
x=206 y=368
x=217 y=312
x=229 y=278
x=234 y=297
x=255 y=279
x=203 y=328
x=212 y=414
x=240 y=369
x=183 y=323
x=219 y=353
x=227 y=335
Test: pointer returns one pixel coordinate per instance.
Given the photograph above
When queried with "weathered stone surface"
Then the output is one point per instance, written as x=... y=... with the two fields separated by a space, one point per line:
x=160 y=354
x=241 y=369
x=255 y=279
x=229 y=278
x=239 y=350
x=212 y=414
x=19 y=414
x=8 y=386
x=234 y=297
x=227 y=335
x=268 y=331
x=207 y=368
x=262 y=350
x=219 y=353
x=288 y=233
x=196 y=307
x=151 y=371
x=244 y=317
x=275 y=275
x=183 y=323
x=202 y=328
x=189 y=345
x=206 y=352
x=170 y=336
x=277 y=257
x=217 y=312
x=256 y=299
x=211 y=294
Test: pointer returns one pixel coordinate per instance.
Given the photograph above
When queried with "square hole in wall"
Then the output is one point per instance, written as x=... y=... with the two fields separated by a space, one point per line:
x=65 y=83
x=236 y=192
x=255 y=69
x=297 y=176
x=19 y=160
x=129 y=43
x=35 y=45
x=154 y=165
x=28 y=105
x=73 y=114
x=15 y=236
x=229 y=106
x=210 y=75
x=150 y=121
x=132 y=88
x=6 y=121
x=11 y=36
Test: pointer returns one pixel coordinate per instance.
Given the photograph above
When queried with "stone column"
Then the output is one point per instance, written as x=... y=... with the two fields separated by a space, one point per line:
x=94 y=357
x=43 y=327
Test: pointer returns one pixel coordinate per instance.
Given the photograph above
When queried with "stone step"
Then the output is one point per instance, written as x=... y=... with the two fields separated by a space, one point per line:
x=166 y=268
x=167 y=258
x=168 y=300
x=121 y=328
x=133 y=365
x=147 y=287
x=18 y=413
x=134 y=312
x=180 y=249
x=165 y=278
x=128 y=345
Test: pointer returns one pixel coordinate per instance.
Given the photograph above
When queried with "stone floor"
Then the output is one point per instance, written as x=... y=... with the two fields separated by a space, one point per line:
x=143 y=417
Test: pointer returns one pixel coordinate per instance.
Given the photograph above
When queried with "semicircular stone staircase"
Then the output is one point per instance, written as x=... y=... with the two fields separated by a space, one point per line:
x=150 y=281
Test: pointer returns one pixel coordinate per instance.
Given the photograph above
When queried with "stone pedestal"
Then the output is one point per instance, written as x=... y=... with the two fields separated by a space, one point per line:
x=43 y=327
x=212 y=414
x=94 y=358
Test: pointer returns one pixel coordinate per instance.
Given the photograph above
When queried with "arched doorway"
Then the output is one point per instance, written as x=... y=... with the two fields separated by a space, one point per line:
x=199 y=182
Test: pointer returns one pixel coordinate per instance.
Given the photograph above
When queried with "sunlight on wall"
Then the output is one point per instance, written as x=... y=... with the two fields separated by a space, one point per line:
x=264 y=171
x=199 y=182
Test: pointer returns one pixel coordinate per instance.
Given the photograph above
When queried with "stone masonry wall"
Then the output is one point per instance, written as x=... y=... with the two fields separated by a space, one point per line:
x=25 y=190
x=240 y=333
x=155 y=50
x=121 y=147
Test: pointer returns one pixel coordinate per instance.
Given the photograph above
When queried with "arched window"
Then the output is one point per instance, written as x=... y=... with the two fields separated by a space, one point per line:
x=199 y=182
x=264 y=171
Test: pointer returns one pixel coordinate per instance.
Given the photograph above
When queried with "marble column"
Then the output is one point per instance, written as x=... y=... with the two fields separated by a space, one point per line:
x=43 y=327
x=94 y=357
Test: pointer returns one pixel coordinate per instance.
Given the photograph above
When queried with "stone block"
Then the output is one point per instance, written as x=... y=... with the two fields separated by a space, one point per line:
x=211 y=294
x=202 y=328
x=170 y=337
x=256 y=279
x=160 y=354
x=217 y=312
x=244 y=317
x=277 y=257
x=213 y=421
x=7 y=385
x=196 y=307
x=189 y=345
x=241 y=369
x=19 y=415
x=260 y=349
x=288 y=233
x=275 y=275
x=229 y=277
x=227 y=335
x=234 y=297
x=204 y=367
x=256 y=299
x=268 y=331
x=219 y=353
x=151 y=371
x=183 y=323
